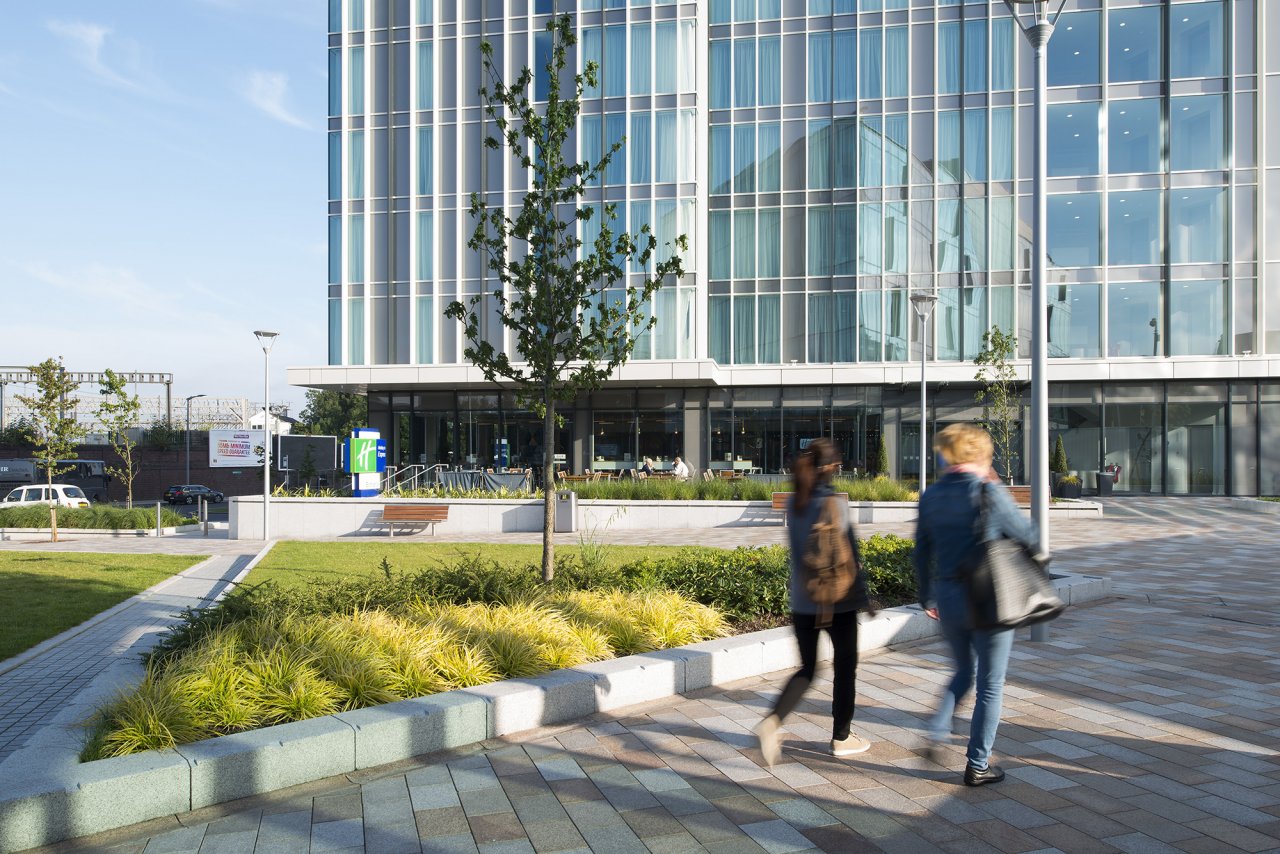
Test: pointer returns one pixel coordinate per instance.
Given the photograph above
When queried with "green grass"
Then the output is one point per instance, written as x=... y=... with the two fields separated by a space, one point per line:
x=296 y=564
x=45 y=593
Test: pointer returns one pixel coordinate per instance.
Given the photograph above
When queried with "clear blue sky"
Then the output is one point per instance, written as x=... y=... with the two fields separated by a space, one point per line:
x=163 y=168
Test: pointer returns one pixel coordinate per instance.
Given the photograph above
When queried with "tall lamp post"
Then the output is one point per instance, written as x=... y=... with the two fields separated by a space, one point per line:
x=267 y=340
x=923 y=304
x=1038 y=28
x=189 y=399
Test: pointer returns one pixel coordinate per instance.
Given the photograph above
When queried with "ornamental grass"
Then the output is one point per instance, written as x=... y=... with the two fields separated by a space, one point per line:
x=97 y=516
x=277 y=668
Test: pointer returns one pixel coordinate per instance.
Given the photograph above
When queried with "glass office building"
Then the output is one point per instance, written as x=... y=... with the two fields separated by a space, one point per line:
x=827 y=159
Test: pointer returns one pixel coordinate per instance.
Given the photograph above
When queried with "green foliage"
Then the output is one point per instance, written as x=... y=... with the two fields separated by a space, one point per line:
x=736 y=489
x=333 y=413
x=1058 y=464
x=54 y=427
x=17 y=434
x=890 y=576
x=163 y=436
x=568 y=306
x=100 y=516
x=882 y=456
x=999 y=394
x=118 y=413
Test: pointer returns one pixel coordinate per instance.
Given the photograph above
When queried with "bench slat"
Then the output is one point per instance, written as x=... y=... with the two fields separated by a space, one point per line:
x=411 y=513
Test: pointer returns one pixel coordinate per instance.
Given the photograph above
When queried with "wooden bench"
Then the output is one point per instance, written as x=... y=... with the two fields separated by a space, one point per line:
x=780 y=500
x=1021 y=495
x=414 y=514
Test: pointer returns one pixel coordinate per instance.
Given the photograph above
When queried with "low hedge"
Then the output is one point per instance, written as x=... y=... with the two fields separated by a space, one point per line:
x=662 y=489
x=99 y=516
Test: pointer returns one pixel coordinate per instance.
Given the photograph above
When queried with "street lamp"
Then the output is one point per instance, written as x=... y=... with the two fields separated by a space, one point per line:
x=1038 y=28
x=923 y=304
x=189 y=399
x=267 y=340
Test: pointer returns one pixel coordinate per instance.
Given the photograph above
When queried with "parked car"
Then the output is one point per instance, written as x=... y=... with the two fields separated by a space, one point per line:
x=61 y=494
x=191 y=493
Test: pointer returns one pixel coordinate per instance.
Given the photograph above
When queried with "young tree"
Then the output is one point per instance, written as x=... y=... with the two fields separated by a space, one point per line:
x=1000 y=396
x=118 y=413
x=568 y=306
x=334 y=413
x=882 y=457
x=55 y=433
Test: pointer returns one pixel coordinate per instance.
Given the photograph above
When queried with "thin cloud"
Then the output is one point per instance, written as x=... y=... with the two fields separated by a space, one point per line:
x=269 y=91
x=88 y=43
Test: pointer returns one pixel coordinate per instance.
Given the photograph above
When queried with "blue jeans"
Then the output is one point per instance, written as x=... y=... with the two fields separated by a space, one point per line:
x=991 y=652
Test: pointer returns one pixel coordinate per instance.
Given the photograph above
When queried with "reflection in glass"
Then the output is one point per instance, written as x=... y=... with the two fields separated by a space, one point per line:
x=1075 y=322
x=1196 y=132
x=1131 y=442
x=1135 y=323
x=1197 y=225
x=1073 y=139
x=1133 y=129
x=1197 y=448
x=1133 y=229
x=870 y=329
x=1135 y=38
x=1073 y=50
x=1073 y=230
x=1196 y=40
x=1197 y=318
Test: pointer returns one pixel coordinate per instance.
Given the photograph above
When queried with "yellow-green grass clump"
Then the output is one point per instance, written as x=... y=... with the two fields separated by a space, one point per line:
x=276 y=669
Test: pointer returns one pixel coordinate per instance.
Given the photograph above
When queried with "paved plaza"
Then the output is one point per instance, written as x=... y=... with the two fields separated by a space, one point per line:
x=1149 y=723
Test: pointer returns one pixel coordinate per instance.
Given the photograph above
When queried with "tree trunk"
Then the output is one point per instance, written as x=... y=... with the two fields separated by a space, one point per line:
x=549 y=490
x=53 y=513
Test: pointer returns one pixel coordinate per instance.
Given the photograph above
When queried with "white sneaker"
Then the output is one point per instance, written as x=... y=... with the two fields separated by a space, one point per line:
x=849 y=746
x=767 y=732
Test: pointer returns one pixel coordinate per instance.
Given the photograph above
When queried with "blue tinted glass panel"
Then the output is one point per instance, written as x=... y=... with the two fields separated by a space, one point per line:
x=819 y=233
x=718 y=325
x=615 y=129
x=770 y=82
x=895 y=150
x=665 y=147
x=426 y=161
x=895 y=62
x=744 y=10
x=870 y=240
x=744 y=72
x=949 y=146
x=426 y=246
x=720 y=70
x=335 y=332
x=744 y=330
x=1073 y=50
x=355 y=331
x=355 y=248
x=1196 y=40
x=1197 y=318
x=770 y=242
x=870 y=326
x=641 y=148
x=721 y=11
x=1073 y=230
x=950 y=68
x=615 y=61
x=335 y=81
x=744 y=244
x=845 y=65
x=769 y=175
x=335 y=250
x=820 y=154
x=1135 y=38
x=592 y=54
x=666 y=46
x=975 y=145
x=641 y=56
x=426 y=331
x=1002 y=144
x=870 y=62
x=335 y=165
x=1133 y=136
x=1073 y=139
x=541 y=59
x=1075 y=322
x=975 y=56
x=1134 y=319
x=426 y=75
x=1196 y=132
x=1133 y=227
x=846 y=240
x=355 y=88
x=820 y=67
x=770 y=9
x=948 y=235
x=1002 y=46
x=1197 y=225
x=744 y=159
x=870 y=158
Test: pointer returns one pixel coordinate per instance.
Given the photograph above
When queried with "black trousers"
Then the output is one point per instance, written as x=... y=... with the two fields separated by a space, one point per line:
x=844 y=638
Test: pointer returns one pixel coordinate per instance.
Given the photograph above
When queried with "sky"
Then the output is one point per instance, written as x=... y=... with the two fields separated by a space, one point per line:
x=162 y=189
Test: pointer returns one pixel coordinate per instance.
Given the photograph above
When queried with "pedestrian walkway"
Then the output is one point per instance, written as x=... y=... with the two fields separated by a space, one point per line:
x=174 y=544
x=45 y=685
x=1149 y=723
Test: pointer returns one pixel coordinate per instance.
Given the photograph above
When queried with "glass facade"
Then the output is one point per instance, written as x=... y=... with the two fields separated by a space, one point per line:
x=826 y=159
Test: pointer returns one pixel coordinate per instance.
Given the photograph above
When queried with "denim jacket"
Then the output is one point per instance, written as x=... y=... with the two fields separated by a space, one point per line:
x=945 y=534
x=799 y=525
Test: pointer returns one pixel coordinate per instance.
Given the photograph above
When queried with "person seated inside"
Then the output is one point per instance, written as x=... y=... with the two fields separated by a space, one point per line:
x=679 y=469
x=646 y=468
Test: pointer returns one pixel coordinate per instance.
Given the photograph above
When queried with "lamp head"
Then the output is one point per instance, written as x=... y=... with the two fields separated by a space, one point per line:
x=923 y=304
x=192 y=397
x=266 y=339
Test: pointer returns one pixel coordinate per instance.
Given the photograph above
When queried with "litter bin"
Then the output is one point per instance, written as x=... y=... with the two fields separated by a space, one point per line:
x=566 y=511
x=1106 y=480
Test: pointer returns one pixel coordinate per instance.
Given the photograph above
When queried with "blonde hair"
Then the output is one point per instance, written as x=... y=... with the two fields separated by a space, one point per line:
x=964 y=443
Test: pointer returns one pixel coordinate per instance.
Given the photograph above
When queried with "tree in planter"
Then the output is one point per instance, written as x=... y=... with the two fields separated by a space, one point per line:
x=55 y=434
x=882 y=457
x=1058 y=464
x=1000 y=396
x=118 y=413
x=567 y=304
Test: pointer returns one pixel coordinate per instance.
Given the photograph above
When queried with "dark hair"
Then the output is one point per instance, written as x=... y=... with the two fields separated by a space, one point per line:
x=817 y=457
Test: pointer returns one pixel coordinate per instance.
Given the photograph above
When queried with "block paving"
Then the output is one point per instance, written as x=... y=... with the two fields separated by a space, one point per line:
x=1150 y=722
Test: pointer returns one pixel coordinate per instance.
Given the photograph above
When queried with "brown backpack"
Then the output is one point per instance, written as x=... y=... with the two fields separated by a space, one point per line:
x=828 y=561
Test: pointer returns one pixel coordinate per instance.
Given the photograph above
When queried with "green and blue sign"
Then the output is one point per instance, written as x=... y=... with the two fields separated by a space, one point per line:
x=365 y=457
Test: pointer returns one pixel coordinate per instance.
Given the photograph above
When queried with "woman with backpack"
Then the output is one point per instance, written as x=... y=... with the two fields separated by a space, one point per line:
x=945 y=536
x=827 y=590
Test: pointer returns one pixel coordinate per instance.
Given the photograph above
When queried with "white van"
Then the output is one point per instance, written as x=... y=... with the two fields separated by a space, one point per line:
x=60 y=494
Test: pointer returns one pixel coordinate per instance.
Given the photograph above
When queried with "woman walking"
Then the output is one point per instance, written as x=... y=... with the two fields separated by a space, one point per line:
x=823 y=596
x=945 y=534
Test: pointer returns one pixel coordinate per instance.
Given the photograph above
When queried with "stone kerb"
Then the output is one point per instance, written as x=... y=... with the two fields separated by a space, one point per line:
x=5 y=533
x=1256 y=505
x=110 y=793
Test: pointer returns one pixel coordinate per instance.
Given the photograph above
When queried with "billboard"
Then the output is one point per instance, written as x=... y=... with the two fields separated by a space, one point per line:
x=235 y=448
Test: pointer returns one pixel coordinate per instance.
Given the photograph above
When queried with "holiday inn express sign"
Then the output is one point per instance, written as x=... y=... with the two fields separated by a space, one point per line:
x=366 y=455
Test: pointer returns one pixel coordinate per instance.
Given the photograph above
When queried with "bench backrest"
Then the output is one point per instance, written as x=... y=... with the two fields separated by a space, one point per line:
x=1020 y=494
x=415 y=512
x=780 y=499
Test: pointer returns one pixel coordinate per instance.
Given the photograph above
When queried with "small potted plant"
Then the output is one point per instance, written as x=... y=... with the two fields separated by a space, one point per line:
x=1058 y=466
x=1068 y=486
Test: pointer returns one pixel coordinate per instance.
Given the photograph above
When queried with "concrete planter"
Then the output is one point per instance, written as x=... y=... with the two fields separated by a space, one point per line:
x=88 y=798
x=321 y=518
x=1256 y=505
x=6 y=533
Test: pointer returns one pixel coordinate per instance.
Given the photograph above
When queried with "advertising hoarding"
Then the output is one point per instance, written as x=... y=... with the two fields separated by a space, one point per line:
x=235 y=448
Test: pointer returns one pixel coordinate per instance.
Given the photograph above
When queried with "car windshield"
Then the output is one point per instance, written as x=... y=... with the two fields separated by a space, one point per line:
x=73 y=492
x=14 y=495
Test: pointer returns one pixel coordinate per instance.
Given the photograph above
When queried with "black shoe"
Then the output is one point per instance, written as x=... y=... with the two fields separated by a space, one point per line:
x=976 y=777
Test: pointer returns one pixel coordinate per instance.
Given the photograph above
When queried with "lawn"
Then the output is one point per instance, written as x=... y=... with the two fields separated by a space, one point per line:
x=45 y=593
x=294 y=564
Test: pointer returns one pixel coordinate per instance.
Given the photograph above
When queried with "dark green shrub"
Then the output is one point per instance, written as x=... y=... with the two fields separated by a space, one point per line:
x=99 y=516
x=1058 y=464
x=890 y=576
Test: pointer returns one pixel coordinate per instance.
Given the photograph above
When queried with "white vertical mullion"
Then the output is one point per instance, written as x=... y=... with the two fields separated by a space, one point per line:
x=702 y=209
x=414 y=248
